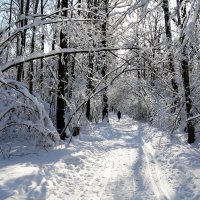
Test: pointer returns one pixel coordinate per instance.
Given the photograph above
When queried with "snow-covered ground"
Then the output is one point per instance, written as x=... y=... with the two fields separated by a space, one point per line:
x=117 y=161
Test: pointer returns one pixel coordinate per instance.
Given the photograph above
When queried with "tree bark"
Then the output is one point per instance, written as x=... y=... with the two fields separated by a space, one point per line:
x=89 y=84
x=62 y=77
x=79 y=6
x=186 y=77
x=31 y=71
x=91 y=7
x=71 y=61
x=9 y=22
x=20 y=51
x=168 y=33
x=42 y=49
x=24 y=22
x=104 y=67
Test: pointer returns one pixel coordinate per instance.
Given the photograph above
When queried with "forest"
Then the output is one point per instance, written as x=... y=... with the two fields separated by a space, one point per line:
x=65 y=64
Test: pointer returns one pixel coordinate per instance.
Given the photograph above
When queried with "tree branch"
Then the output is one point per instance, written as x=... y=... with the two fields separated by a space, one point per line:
x=21 y=59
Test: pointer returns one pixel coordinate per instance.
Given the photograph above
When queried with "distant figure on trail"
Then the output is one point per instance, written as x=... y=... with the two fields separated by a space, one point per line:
x=119 y=115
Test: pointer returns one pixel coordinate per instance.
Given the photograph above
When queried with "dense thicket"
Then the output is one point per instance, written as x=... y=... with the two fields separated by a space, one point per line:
x=64 y=62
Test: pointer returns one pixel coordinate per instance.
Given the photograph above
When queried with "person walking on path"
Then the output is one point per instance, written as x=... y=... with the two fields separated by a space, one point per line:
x=119 y=115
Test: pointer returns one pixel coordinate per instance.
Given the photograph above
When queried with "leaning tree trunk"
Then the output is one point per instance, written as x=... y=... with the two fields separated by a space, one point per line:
x=62 y=78
x=186 y=76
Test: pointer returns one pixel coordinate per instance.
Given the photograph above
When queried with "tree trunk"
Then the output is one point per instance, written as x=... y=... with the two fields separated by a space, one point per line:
x=22 y=44
x=104 y=67
x=9 y=22
x=42 y=49
x=91 y=7
x=72 y=73
x=24 y=22
x=87 y=113
x=62 y=77
x=31 y=71
x=89 y=84
x=71 y=61
x=79 y=6
x=168 y=33
x=186 y=77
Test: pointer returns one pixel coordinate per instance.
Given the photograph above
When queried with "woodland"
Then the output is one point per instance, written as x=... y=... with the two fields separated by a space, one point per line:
x=67 y=63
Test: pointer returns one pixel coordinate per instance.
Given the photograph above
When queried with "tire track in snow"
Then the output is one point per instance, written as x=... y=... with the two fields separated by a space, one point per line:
x=121 y=183
x=159 y=183
x=153 y=175
x=112 y=175
x=93 y=189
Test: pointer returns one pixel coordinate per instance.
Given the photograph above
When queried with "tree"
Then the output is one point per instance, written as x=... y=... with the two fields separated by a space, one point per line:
x=23 y=35
x=104 y=59
x=92 y=6
x=31 y=70
x=62 y=75
x=168 y=33
x=186 y=73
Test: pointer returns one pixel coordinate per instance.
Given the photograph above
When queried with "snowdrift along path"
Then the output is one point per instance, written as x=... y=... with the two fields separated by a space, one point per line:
x=117 y=161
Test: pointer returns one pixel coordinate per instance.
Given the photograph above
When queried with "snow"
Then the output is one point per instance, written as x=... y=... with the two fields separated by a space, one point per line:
x=122 y=160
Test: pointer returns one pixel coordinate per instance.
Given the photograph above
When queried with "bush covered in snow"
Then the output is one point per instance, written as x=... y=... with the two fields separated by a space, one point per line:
x=24 y=123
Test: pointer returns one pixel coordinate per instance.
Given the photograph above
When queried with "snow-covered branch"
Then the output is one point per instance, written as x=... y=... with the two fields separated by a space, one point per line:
x=34 y=56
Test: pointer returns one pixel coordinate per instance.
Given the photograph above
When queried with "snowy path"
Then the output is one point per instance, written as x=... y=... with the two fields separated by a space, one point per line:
x=122 y=170
x=115 y=162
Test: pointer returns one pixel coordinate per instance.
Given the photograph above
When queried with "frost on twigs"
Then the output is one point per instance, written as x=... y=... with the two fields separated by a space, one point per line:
x=25 y=126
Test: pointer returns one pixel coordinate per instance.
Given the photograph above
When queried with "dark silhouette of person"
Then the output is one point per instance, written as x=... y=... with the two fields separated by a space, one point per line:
x=119 y=115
